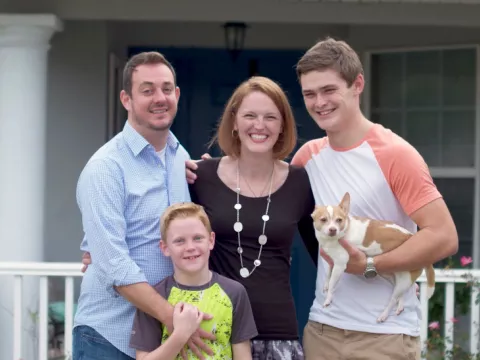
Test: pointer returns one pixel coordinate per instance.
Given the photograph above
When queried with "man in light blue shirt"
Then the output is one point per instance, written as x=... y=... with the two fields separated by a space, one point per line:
x=122 y=192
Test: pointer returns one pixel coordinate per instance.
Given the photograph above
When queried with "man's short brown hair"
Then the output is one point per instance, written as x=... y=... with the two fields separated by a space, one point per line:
x=143 y=58
x=331 y=54
x=230 y=143
x=183 y=211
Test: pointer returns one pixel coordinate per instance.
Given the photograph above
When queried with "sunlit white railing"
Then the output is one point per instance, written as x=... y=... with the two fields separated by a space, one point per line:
x=43 y=270
x=450 y=278
x=19 y=270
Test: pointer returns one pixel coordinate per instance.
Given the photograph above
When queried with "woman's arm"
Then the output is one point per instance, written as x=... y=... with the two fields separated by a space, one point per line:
x=306 y=229
x=242 y=351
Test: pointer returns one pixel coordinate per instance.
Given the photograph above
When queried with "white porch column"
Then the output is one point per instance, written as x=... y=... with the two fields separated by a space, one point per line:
x=24 y=45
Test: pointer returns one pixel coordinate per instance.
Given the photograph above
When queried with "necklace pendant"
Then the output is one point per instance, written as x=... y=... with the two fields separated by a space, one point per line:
x=244 y=272
x=262 y=239
x=238 y=226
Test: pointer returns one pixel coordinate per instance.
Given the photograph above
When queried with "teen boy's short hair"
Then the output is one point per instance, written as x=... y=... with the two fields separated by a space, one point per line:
x=183 y=211
x=331 y=54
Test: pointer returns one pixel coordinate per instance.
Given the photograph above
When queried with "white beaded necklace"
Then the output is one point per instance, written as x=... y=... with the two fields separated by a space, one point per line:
x=238 y=226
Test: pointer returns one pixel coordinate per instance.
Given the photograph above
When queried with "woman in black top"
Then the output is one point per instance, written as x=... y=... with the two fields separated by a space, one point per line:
x=255 y=202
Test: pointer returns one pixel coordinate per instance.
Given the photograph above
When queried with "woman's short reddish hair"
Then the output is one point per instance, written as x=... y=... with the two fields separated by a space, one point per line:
x=230 y=145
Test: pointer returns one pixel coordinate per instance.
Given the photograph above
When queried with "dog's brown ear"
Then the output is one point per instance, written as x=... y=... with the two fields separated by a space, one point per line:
x=345 y=203
x=315 y=211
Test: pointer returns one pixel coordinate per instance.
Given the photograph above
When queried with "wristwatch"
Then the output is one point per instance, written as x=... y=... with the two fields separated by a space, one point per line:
x=370 y=270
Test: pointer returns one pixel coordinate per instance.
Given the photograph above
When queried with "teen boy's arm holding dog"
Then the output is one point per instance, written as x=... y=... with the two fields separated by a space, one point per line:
x=437 y=238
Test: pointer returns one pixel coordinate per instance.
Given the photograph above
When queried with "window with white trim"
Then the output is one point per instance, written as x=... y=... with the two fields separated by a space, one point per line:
x=429 y=98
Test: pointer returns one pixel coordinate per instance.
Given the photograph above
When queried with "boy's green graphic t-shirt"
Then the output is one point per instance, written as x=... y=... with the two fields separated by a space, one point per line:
x=225 y=299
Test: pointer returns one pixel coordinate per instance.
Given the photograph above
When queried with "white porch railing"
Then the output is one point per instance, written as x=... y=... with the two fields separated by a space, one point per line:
x=450 y=278
x=19 y=270
x=43 y=270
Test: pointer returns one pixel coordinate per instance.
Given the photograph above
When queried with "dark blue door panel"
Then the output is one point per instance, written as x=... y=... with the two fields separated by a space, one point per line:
x=207 y=78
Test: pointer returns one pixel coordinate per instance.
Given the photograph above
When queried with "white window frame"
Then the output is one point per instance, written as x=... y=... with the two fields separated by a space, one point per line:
x=442 y=172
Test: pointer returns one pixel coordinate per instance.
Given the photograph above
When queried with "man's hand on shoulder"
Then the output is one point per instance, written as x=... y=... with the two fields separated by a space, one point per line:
x=86 y=260
x=191 y=166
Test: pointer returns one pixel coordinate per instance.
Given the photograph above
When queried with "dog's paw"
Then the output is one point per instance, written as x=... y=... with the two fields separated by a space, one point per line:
x=399 y=309
x=327 y=302
x=382 y=317
x=399 y=306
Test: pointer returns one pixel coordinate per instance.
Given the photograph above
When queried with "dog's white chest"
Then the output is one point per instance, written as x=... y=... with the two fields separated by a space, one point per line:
x=336 y=251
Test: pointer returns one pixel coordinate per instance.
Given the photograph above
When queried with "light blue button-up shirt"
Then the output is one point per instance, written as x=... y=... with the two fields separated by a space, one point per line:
x=122 y=192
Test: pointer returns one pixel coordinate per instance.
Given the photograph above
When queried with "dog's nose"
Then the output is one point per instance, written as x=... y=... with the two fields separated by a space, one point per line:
x=332 y=231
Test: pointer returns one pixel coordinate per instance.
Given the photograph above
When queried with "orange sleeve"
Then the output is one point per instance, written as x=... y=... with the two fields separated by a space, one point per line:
x=307 y=151
x=409 y=177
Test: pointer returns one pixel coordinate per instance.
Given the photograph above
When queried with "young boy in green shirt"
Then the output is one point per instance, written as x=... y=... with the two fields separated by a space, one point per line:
x=187 y=239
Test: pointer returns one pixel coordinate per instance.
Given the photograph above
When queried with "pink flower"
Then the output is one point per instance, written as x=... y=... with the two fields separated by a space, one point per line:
x=434 y=325
x=465 y=260
x=454 y=320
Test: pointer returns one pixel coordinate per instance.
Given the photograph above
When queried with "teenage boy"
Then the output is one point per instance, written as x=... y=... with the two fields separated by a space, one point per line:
x=387 y=179
x=187 y=238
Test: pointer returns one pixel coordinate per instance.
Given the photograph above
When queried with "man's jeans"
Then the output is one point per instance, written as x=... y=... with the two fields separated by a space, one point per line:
x=90 y=345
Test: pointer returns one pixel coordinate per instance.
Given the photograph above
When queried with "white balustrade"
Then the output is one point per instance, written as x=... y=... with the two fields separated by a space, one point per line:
x=44 y=271
x=451 y=277
x=19 y=270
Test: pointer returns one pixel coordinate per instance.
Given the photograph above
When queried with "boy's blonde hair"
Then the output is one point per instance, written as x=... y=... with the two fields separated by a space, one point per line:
x=183 y=211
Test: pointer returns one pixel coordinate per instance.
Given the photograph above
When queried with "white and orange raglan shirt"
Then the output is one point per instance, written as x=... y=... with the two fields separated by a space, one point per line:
x=388 y=180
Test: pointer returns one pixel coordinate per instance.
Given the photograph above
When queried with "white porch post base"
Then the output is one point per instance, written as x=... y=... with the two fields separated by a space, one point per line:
x=24 y=44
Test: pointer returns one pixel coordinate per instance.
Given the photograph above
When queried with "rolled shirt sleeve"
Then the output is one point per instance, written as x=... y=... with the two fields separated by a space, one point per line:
x=101 y=199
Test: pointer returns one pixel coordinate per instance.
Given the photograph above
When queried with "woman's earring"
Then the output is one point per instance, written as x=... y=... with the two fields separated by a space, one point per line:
x=234 y=132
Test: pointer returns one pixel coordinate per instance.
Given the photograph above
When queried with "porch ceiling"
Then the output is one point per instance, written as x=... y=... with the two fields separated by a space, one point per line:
x=463 y=13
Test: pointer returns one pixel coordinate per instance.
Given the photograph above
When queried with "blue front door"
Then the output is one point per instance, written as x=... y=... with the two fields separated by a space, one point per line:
x=207 y=78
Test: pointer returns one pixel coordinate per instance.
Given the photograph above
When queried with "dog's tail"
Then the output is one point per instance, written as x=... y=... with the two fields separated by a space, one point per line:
x=430 y=271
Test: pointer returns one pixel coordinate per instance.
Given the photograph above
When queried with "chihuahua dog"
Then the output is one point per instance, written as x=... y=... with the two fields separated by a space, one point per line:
x=373 y=237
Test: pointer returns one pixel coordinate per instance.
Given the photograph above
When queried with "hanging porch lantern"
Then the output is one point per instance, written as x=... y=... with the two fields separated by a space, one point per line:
x=234 y=37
